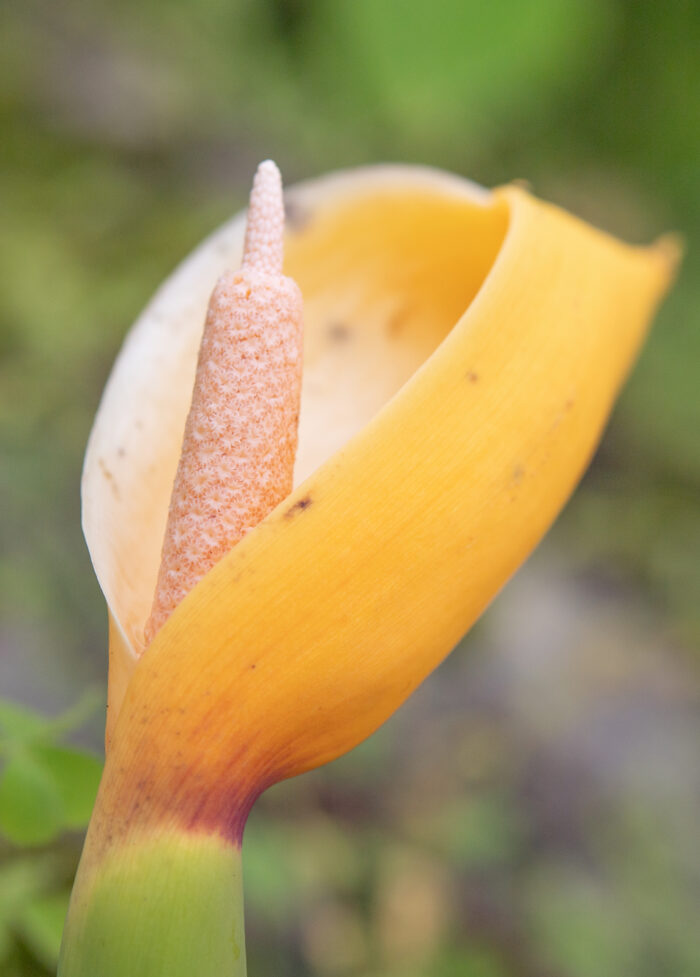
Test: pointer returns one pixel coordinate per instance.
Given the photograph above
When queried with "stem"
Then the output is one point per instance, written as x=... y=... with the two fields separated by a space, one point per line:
x=167 y=905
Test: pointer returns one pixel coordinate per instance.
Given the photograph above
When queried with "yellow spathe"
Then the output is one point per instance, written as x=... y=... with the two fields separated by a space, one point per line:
x=463 y=352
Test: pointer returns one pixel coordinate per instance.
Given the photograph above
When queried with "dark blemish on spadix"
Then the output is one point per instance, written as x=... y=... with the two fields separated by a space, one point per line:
x=298 y=507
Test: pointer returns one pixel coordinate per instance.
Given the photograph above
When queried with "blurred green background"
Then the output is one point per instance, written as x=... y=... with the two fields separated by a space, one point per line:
x=533 y=811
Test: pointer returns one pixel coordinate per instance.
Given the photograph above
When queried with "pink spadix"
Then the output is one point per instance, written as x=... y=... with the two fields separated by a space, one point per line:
x=240 y=437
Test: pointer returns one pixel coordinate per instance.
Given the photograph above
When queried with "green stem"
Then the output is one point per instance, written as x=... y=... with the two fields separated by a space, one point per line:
x=162 y=906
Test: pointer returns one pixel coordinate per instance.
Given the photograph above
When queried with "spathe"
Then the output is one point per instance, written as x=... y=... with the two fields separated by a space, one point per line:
x=463 y=352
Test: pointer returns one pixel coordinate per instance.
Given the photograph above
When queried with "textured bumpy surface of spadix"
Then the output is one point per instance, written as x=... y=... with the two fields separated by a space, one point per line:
x=237 y=458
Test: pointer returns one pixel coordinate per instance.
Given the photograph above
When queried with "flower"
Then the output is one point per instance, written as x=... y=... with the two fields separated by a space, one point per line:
x=463 y=350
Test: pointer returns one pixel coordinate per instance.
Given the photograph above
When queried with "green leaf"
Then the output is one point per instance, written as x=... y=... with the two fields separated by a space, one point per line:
x=19 y=724
x=76 y=775
x=445 y=66
x=269 y=878
x=41 y=926
x=31 y=808
x=77 y=715
x=21 y=881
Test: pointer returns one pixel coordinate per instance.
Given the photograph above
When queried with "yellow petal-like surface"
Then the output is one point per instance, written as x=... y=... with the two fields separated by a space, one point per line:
x=382 y=288
x=464 y=351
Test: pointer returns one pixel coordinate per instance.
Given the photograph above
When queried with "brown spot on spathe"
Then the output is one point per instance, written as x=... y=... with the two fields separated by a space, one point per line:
x=397 y=321
x=109 y=476
x=298 y=507
x=472 y=376
x=339 y=332
x=297 y=217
